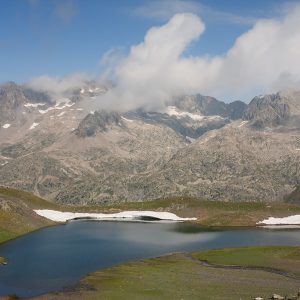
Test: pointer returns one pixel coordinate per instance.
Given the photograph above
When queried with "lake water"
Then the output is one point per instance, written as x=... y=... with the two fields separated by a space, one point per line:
x=56 y=257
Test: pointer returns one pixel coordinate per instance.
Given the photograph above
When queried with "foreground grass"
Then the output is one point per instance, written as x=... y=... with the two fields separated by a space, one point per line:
x=177 y=276
x=16 y=213
x=286 y=259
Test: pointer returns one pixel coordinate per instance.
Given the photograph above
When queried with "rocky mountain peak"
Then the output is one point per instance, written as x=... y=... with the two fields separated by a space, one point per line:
x=98 y=121
x=89 y=89
x=204 y=105
x=269 y=110
x=14 y=96
x=210 y=106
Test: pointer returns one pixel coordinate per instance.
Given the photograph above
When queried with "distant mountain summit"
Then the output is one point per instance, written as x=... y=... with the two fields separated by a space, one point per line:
x=13 y=97
x=61 y=149
x=98 y=121
x=209 y=106
x=282 y=108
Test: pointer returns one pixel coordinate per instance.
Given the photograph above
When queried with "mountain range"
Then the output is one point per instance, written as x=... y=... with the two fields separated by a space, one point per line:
x=60 y=149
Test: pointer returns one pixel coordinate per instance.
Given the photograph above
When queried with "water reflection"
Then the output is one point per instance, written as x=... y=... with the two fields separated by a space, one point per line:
x=55 y=257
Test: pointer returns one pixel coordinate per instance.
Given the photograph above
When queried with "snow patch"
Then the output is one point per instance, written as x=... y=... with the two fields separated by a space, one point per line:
x=127 y=120
x=61 y=114
x=291 y=220
x=59 y=216
x=243 y=123
x=173 y=111
x=35 y=105
x=59 y=105
x=190 y=139
x=5 y=126
x=33 y=126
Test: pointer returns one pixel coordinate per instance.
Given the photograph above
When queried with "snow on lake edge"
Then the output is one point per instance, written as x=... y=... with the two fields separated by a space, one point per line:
x=59 y=216
x=291 y=220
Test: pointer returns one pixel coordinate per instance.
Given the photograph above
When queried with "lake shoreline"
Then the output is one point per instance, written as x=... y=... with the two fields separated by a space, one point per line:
x=89 y=288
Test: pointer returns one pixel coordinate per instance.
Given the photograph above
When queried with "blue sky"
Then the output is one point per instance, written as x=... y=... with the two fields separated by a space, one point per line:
x=59 y=37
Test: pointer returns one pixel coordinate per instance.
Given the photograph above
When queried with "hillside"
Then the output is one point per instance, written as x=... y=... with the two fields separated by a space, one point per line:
x=64 y=150
x=294 y=197
x=16 y=213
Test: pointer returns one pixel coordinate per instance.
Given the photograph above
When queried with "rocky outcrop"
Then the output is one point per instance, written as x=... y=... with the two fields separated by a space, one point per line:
x=13 y=97
x=203 y=105
x=236 y=109
x=187 y=127
x=98 y=121
x=268 y=111
x=209 y=106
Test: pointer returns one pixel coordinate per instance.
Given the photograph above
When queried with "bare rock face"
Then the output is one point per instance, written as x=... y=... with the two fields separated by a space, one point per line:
x=197 y=146
x=98 y=121
x=236 y=109
x=184 y=125
x=268 y=111
x=204 y=105
x=210 y=106
x=13 y=97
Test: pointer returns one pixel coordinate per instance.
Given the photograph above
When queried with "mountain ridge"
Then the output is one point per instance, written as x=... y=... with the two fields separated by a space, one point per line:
x=197 y=146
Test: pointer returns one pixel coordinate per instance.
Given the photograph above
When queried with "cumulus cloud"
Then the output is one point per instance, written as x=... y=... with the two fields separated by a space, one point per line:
x=265 y=59
x=165 y=9
x=147 y=76
x=56 y=86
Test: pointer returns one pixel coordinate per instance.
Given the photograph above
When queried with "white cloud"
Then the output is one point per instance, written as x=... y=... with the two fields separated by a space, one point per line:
x=109 y=61
x=56 y=86
x=264 y=59
x=165 y=9
x=147 y=76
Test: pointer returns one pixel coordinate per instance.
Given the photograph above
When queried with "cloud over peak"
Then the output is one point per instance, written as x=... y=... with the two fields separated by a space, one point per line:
x=264 y=59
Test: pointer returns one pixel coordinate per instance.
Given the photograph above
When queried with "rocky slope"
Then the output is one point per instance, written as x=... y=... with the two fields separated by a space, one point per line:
x=196 y=146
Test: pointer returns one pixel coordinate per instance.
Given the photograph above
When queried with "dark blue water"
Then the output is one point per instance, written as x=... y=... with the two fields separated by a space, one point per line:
x=57 y=257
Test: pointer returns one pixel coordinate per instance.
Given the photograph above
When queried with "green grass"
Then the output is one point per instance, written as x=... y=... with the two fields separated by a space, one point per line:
x=177 y=276
x=2 y=260
x=27 y=198
x=286 y=259
x=16 y=213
